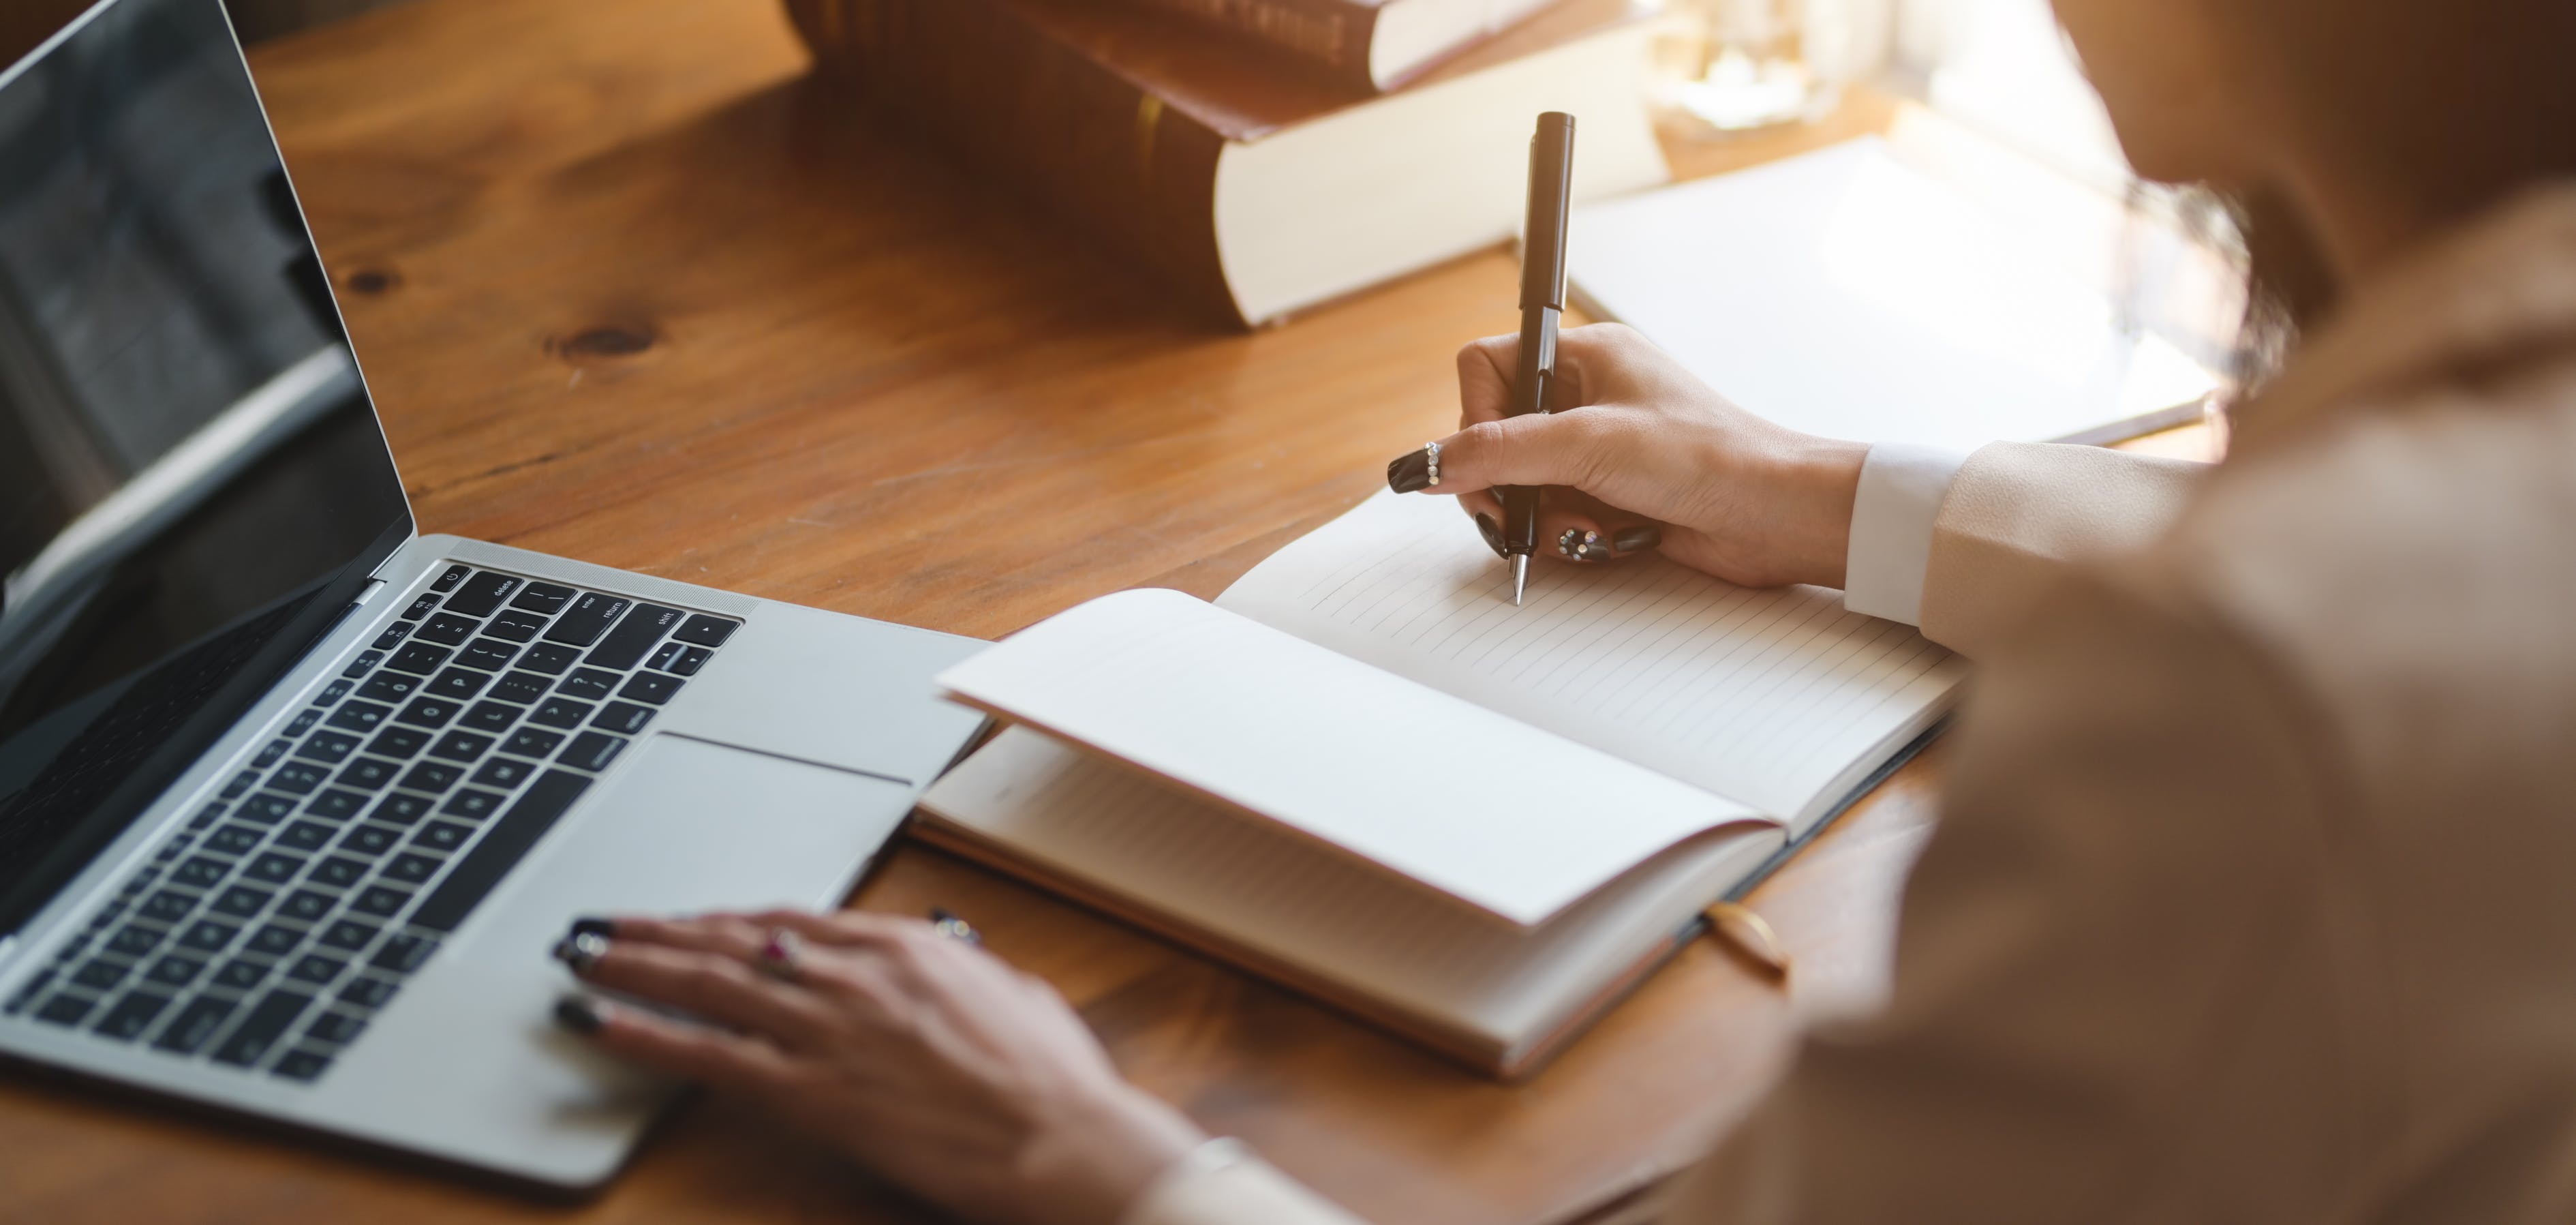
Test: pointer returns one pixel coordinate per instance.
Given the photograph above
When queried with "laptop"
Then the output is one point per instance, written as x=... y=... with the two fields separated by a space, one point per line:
x=294 y=800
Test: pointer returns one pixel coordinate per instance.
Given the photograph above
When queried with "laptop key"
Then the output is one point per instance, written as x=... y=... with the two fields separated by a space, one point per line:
x=240 y=785
x=536 y=811
x=461 y=746
x=592 y=751
x=560 y=712
x=135 y=941
x=316 y=969
x=652 y=687
x=471 y=803
x=491 y=655
x=269 y=756
x=392 y=637
x=300 y=1064
x=691 y=660
x=390 y=687
x=706 y=631
x=239 y=974
x=589 y=684
x=241 y=901
x=274 y=868
x=259 y=1031
x=458 y=683
x=195 y=1024
x=379 y=901
x=403 y=953
x=428 y=712
x=305 y=906
x=208 y=936
x=442 y=836
x=232 y=839
x=369 y=840
x=401 y=809
x=200 y=872
x=482 y=594
x=274 y=941
x=303 y=722
x=100 y=975
x=543 y=598
x=349 y=935
x=520 y=687
x=265 y=809
x=433 y=777
x=333 y=692
x=334 y=1029
x=336 y=805
x=503 y=772
x=411 y=868
x=624 y=717
x=491 y=716
x=329 y=748
x=419 y=658
x=514 y=625
x=368 y=774
x=173 y=970
x=168 y=906
x=550 y=658
x=297 y=778
x=399 y=742
x=339 y=872
x=588 y=617
x=367 y=991
x=529 y=742
x=448 y=579
x=447 y=630
x=302 y=836
x=636 y=632
x=131 y=1015
x=358 y=716
x=420 y=608
x=363 y=664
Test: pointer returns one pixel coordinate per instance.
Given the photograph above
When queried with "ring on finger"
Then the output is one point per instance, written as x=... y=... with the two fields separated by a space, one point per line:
x=782 y=955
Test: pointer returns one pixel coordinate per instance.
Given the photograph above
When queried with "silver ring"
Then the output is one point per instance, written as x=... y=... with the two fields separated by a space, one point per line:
x=782 y=955
x=1431 y=450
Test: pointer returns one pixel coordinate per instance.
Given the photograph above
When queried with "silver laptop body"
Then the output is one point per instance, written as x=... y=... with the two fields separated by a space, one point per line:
x=294 y=801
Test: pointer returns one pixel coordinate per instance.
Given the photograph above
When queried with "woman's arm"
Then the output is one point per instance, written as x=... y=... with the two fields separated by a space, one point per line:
x=1645 y=456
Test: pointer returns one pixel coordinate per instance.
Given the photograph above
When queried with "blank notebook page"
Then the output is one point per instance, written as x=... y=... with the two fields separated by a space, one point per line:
x=1263 y=888
x=1775 y=698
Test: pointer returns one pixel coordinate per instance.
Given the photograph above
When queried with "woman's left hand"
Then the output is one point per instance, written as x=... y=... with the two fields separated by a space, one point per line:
x=924 y=1057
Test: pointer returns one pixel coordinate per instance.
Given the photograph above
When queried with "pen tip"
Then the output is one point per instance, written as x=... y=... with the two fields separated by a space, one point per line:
x=1520 y=577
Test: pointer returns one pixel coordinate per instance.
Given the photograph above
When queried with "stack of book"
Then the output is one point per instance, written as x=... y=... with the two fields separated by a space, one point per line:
x=1261 y=156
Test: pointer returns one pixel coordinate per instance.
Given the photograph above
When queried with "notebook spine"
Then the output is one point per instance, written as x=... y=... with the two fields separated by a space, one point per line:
x=1331 y=35
x=1040 y=118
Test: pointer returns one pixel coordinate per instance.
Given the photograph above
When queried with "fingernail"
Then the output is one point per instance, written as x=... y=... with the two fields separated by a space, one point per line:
x=1410 y=472
x=577 y=1014
x=1493 y=534
x=1581 y=545
x=581 y=950
x=589 y=926
x=1634 y=539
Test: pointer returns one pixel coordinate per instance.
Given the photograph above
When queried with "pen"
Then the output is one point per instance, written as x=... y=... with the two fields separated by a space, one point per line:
x=1551 y=189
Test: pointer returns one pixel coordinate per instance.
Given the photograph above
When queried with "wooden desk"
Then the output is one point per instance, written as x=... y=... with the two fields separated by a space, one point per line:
x=628 y=290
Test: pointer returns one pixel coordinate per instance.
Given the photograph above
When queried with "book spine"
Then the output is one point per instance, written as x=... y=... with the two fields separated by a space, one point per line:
x=1043 y=120
x=1326 y=34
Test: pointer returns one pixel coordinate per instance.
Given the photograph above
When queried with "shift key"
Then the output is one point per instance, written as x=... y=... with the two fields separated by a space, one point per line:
x=625 y=646
x=589 y=616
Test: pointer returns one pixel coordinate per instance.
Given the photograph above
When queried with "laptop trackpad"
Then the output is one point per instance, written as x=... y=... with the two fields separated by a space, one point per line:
x=688 y=825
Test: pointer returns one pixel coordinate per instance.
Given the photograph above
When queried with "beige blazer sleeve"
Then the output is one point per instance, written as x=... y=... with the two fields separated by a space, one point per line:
x=2018 y=514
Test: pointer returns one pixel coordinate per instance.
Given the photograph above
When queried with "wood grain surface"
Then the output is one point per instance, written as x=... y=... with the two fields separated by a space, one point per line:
x=630 y=290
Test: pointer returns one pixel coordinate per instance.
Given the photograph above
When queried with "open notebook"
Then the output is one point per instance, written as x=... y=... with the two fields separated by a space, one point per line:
x=1364 y=773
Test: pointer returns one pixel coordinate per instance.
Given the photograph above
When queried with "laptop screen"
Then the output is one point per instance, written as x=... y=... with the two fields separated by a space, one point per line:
x=192 y=481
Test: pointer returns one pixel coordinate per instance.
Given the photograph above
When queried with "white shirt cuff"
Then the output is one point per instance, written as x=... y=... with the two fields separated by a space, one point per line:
x=1224 y=1184
x=1901 y=486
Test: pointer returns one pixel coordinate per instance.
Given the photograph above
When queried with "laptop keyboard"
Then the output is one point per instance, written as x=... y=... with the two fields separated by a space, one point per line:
x=264 y=934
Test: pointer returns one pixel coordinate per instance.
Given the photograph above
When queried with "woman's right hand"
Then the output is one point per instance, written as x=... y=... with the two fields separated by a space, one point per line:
x=1643 y=444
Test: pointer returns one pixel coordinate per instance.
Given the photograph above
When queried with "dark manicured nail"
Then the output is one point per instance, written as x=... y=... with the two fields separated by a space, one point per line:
x=588 y=926
x=1409 y=473
x=581 y=950
x=577 y=1014
x=1493 y=534
x=1634 y=539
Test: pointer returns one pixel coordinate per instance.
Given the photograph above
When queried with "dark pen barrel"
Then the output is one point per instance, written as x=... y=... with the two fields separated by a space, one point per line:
x=1551 y=199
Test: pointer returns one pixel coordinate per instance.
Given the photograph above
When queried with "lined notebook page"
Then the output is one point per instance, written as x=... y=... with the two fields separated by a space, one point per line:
x=1391 y=771
x=1260 y=887
x=1780 y=699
